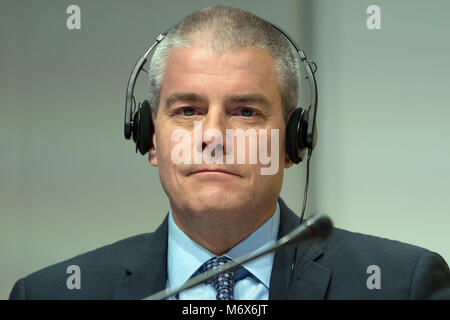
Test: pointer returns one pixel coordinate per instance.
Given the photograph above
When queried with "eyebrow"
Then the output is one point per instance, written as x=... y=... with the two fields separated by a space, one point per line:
x=248 y=98
x=185 y=96
x=252 y=98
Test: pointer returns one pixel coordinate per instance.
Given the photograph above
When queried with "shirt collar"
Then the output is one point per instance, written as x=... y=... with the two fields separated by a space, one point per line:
x=182 y=248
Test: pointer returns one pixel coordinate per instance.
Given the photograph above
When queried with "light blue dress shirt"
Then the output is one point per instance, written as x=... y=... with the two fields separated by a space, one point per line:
x=184 y=257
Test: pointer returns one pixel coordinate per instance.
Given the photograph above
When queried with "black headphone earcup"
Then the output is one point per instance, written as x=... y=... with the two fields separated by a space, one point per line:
x=296 y=130
x=145 y=128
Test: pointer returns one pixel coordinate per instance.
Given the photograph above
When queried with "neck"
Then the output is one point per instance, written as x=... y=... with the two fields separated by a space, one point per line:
x=219 y=232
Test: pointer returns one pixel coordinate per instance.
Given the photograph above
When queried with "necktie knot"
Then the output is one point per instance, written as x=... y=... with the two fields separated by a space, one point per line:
x=224 y=282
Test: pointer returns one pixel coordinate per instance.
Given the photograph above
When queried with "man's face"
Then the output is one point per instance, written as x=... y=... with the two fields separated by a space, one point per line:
x=234 y=90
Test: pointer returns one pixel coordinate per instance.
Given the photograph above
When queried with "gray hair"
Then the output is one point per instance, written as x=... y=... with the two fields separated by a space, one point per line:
x=228 y=28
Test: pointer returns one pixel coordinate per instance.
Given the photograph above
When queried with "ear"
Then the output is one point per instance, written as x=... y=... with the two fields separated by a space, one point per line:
x=152 y=158
x=287 y=161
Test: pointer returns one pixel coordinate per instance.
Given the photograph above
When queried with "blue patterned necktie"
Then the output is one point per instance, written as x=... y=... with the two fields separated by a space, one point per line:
x=224 y=282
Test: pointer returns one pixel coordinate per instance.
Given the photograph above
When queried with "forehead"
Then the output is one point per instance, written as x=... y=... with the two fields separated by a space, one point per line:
x=202 y=70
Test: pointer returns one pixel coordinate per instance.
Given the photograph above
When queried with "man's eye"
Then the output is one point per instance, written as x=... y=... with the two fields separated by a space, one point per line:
x=187 y=111
x=247 y=112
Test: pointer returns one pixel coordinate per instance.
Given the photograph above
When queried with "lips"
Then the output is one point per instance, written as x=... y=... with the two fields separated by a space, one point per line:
x=218 y=170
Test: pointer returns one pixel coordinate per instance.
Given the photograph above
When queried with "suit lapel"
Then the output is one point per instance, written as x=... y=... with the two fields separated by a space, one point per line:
x=147 y=275
x=295 y=273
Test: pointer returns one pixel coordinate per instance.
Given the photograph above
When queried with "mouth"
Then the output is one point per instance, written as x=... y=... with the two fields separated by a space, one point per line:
x=214 y=171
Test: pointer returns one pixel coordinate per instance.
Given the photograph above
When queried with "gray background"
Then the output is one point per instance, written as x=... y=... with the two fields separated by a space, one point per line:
x=70 y=183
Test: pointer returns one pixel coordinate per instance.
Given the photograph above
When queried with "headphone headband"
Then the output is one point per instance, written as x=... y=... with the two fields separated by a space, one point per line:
x=129 y=100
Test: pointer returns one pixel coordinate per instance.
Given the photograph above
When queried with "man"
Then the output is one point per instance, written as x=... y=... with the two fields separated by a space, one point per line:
x=225 y=69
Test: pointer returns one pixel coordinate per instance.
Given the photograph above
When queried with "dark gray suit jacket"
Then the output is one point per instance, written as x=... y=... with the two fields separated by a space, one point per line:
x=136 y=267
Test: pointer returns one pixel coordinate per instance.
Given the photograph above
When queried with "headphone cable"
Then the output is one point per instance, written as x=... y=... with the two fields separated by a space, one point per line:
x=305 y=196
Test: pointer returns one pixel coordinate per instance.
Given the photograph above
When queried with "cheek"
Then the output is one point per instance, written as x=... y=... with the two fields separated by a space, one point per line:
x=164 y=142
x=163 y=153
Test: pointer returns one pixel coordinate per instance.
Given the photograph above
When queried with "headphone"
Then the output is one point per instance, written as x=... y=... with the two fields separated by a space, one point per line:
x=301 y=132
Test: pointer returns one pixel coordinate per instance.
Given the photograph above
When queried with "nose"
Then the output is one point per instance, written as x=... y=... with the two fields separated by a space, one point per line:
x=214 y=126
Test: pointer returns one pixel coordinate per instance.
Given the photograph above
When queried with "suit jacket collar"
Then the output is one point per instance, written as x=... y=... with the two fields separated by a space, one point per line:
x=295 y=272
x=147 y=275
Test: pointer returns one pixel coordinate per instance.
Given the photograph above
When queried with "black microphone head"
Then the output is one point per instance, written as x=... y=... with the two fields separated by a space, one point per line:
x=320 y=226
x=317 y=228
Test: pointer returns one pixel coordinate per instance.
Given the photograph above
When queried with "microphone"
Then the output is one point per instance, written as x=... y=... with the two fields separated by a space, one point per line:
x=316 y=229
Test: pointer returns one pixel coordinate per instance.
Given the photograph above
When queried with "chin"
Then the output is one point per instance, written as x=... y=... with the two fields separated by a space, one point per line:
x=216 y=203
